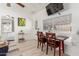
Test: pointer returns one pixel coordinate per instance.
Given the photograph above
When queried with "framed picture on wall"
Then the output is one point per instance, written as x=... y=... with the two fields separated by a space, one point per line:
x=21 y=21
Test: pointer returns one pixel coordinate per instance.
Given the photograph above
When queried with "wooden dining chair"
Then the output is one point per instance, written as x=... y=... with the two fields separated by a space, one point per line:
x=41 y=39
x=52 y=42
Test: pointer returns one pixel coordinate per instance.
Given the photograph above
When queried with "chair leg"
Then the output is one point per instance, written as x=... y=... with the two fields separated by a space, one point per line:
x=54 y=51
x=44 y=43
x=38 y=45
x=42 y=47
x=47 y=49
x=51 y=48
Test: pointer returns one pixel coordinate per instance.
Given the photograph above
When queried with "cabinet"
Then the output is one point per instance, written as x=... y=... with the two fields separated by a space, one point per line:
x=21 y=37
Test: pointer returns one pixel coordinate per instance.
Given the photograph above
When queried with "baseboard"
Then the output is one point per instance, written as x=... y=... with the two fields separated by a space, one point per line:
x=66 y=55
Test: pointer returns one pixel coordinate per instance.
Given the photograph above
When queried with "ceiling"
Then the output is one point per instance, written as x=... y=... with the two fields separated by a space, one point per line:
x=30 y=8
x=34 y=7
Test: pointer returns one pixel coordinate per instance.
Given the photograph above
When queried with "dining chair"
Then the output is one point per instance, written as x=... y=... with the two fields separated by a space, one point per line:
x=52 y=42
x=41 y=39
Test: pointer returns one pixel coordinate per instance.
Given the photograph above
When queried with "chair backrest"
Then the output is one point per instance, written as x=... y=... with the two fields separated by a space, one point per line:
x=51 y=36
x=40 y=35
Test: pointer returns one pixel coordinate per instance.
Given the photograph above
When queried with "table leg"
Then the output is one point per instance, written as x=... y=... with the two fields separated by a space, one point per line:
x=60 y=49
x=63 y=46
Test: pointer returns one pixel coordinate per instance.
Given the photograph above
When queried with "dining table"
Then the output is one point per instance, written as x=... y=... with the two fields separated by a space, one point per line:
x=61 y=40
x=61 y=45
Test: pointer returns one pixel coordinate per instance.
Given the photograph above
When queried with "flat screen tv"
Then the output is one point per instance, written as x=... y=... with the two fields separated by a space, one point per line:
x=54 y=8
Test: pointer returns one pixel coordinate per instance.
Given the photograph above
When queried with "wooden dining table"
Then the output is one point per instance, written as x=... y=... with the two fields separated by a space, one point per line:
x=61 y=43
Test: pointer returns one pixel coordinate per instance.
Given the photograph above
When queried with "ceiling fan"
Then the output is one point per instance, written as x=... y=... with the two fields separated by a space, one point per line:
x=20 y=4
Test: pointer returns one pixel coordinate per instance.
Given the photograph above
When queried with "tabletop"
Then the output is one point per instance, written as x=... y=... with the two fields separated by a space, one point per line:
x=62 y=37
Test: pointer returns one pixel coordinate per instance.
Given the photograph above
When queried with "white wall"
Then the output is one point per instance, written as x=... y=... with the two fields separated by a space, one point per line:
x=75 y=20
x=16 y=11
